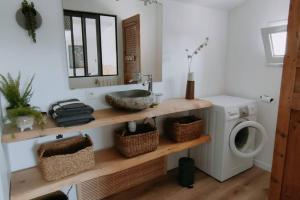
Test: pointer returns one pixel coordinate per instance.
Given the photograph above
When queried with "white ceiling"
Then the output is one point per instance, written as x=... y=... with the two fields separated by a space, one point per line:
x=220 y=4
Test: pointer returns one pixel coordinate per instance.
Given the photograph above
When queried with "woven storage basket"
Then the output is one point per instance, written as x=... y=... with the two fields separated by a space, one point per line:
x=66 y=157
x=184 y=129
x=146 y=139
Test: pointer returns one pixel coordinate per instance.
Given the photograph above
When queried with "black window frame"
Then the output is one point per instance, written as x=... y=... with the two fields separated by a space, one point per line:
x=97 y=17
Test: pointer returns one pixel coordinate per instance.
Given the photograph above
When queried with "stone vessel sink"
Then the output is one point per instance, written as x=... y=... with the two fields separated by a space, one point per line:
x=131 y=100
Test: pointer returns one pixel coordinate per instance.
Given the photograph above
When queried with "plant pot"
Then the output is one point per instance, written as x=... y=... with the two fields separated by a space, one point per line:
x=25 y=122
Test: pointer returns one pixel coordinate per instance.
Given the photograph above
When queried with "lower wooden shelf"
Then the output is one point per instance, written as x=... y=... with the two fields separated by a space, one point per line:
x=28 y=184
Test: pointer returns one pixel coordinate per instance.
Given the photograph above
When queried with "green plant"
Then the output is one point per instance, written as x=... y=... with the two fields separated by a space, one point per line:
x=34 y=112
x=30 y=18
x=10 y=88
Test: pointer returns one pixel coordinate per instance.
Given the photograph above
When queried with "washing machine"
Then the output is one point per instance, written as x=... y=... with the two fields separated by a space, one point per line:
x=236 y=138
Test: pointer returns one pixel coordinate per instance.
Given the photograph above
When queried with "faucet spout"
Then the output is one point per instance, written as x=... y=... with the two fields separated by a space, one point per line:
x=149 y=82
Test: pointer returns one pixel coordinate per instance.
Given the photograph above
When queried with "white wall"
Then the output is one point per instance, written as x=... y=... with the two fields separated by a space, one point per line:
x=4 y=168
x=247 y=75
x=4 y=176
x=184 y=26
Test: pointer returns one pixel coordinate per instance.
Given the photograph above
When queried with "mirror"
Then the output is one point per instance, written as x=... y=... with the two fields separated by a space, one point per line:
x=112 y=42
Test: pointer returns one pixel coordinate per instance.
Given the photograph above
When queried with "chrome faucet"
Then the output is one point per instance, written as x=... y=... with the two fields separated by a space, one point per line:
x=137 y=78
x=149 y=81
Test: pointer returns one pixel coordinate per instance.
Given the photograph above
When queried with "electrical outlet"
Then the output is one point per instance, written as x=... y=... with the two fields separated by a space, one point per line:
x=90 y=95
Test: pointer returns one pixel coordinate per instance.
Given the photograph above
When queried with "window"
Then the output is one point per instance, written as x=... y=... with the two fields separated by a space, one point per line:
x=91 y=44
x=274 y=39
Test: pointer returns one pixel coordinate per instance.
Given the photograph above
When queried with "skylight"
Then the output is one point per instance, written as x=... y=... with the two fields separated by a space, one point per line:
x=278 y=43
x=274 y=39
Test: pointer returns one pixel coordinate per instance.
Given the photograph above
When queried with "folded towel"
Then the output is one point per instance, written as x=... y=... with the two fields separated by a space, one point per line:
x=68 y=113
x=74 y=118
x=71 y=112
x=69 y=107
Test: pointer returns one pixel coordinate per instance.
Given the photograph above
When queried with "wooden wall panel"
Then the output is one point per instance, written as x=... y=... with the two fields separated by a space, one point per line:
x=291 y=182
x=297 y=82
x=283 y=183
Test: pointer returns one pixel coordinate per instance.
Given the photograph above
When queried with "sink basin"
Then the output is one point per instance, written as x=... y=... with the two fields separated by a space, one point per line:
x=131 y=100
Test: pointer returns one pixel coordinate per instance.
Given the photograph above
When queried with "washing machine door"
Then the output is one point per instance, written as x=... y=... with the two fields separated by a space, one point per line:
x=243 y=139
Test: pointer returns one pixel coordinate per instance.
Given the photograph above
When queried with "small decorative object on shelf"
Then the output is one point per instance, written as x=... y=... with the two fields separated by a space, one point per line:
x=190 y=87
x=29 y=18
x=132 y=126
x=19 y=110
x=157 y=99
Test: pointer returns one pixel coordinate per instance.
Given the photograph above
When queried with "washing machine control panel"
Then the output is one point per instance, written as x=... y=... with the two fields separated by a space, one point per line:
x=240 y=112
x=244 y=111
x=232 y=113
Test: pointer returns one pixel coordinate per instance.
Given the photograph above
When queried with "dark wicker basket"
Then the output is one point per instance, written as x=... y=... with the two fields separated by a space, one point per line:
x=184 y=129
x=144 y=140
x=66 y=157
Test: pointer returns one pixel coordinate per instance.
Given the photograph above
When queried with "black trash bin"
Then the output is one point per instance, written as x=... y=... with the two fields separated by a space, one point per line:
x=186 y=172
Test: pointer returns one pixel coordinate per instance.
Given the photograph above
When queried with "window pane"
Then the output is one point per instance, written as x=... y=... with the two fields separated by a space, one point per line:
x=92 y=51
x=78 y=46
x=69 y=45
x=108 y=45
x=278 y=43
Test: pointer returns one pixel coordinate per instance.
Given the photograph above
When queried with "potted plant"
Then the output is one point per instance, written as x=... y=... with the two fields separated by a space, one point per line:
x=30 y=14
x=24 y=117
x=19 y=110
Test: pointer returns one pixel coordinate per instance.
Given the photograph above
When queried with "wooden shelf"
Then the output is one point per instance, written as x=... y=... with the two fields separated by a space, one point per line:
x=28 y=184
x=105 y=117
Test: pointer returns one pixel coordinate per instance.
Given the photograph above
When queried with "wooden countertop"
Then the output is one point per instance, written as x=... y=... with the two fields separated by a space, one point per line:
x=105 y=117
x=28 y=184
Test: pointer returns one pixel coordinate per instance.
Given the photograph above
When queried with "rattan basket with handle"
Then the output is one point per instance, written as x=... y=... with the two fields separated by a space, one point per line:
x=65 y=157
x=144 y=140
x=184 y=129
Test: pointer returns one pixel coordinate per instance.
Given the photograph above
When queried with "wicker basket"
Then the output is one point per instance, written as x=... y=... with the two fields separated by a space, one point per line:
x=184 y=129
x=144 y=140
x=66 y=157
